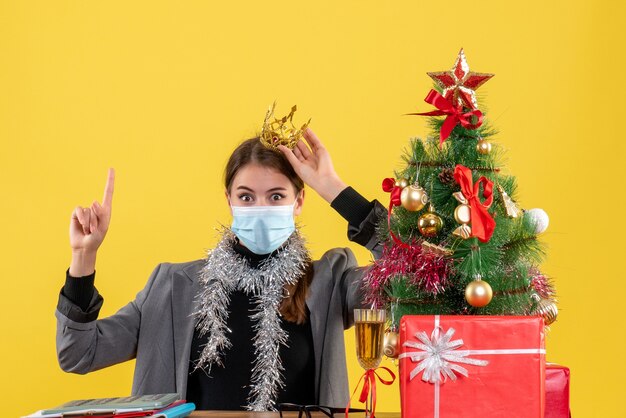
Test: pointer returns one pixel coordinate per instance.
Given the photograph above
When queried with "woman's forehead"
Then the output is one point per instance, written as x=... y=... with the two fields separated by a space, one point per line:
x=260 y=178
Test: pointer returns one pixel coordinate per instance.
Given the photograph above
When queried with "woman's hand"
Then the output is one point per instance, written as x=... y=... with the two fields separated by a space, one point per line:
x=314 y=166
x=88 y=227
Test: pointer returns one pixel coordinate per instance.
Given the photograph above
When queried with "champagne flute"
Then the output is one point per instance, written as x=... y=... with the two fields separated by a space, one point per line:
x=369 y=332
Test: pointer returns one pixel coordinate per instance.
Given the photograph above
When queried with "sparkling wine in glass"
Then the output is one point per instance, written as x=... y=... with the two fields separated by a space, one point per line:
x=369 y=332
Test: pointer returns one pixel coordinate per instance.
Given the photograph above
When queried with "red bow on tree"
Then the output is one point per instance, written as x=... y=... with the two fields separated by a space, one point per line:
x=455 y=115
x=389 y=185
x=483 y=223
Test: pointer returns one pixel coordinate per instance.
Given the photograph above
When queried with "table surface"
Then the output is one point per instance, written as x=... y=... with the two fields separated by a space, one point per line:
x=244 y=414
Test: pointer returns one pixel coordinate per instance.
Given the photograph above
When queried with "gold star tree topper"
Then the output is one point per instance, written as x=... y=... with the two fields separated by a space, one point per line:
x=281 y=131
x=459 y=84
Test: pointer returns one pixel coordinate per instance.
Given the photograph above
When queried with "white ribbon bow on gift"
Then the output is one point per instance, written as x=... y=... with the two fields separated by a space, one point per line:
x=438 y=356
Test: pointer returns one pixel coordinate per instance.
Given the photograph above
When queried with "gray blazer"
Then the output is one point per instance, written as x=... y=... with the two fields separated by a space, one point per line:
x=157 y=327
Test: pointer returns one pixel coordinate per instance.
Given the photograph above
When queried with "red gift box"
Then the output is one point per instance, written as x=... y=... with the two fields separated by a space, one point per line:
x=557 y=391
x=472 y=366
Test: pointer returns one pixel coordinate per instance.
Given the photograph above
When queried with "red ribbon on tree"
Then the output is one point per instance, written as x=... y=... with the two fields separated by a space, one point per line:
x=483 y=223
x=455 y=115
x=389 y=185
x=369 y=385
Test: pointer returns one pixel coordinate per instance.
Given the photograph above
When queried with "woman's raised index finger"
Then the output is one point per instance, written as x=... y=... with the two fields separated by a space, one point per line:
x=107 y=199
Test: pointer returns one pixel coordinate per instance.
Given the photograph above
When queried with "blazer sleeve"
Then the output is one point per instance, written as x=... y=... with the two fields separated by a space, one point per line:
x=347 y=274
x=352 y=289
x=362 y=216
x=85 y=344
x=366 y=232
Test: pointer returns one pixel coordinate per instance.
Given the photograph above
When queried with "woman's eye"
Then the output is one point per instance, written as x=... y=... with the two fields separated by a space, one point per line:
x=276 y=197
x=245 y=198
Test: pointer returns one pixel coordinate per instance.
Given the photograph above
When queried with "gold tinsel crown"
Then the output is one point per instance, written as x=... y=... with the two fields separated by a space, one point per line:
x=281 y=131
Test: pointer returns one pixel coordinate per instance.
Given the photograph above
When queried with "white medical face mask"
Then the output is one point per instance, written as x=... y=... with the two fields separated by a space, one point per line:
x=262 y=229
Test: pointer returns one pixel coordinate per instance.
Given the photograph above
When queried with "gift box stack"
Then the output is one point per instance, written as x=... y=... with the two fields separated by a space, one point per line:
x=480 y=366
x=460 y=274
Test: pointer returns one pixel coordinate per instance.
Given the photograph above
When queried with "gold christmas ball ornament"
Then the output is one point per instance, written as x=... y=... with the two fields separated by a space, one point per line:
x=402 y=183
x=547 y=309
x=429 y=224
x=391 y=347
x=478 y=293
x=413 y=198
x=483 y=147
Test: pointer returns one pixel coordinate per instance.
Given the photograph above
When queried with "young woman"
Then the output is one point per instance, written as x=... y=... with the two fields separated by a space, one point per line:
x=256 y=322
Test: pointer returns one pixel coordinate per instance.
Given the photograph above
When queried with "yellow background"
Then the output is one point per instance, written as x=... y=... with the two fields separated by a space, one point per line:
x=164 y=91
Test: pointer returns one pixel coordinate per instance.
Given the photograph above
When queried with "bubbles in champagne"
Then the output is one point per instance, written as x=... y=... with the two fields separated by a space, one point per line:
x=369 y=343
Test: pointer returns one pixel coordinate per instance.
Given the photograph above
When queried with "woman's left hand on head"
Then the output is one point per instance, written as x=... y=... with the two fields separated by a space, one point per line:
x=314 y=166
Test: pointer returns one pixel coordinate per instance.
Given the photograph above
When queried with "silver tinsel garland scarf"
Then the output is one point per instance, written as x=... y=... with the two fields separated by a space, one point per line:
x=226 y=271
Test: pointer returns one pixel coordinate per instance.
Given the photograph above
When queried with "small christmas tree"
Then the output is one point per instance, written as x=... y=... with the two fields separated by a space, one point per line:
x=456 y=242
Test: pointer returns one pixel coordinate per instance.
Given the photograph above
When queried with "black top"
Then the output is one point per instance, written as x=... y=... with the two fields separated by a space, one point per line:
x=227 y=387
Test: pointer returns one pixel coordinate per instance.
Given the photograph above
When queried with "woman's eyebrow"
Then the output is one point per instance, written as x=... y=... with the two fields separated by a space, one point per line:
x=273 y=189
x=245 y=188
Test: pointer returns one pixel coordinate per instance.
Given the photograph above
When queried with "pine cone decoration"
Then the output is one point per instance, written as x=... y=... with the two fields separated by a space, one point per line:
x=446 y=176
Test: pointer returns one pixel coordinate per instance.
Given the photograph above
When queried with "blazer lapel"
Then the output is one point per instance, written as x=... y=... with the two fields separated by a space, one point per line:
x=318 y=319
x=184 y=290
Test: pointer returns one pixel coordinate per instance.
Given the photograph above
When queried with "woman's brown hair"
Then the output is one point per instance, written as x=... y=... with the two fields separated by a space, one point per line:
x=252 y=151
